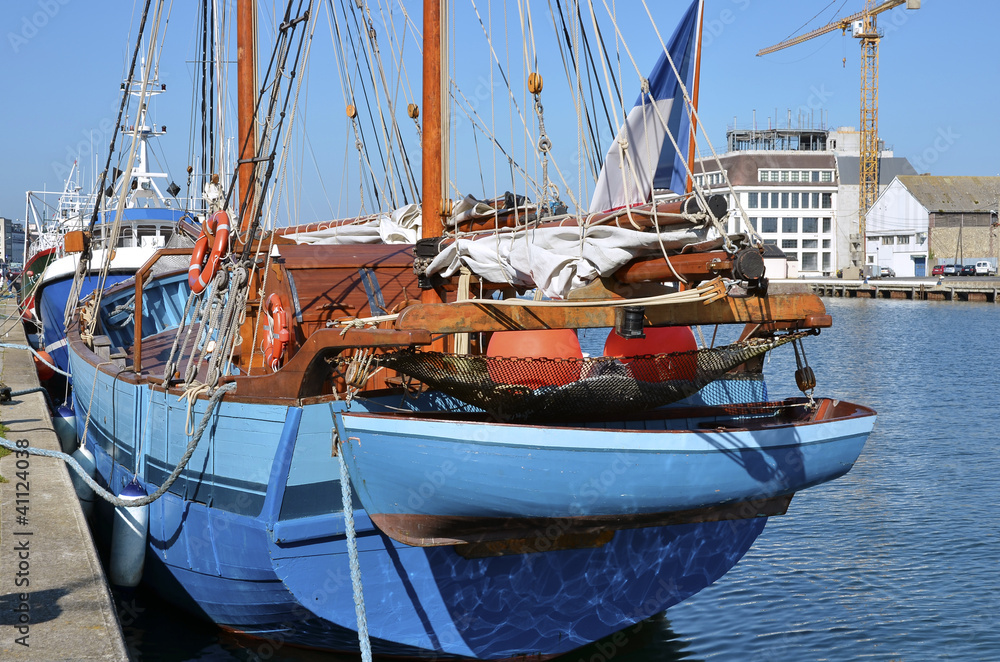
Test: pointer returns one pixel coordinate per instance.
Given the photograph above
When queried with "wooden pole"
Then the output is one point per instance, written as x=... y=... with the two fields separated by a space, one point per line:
x=431 y=176
x=694 y=99
x=246 y=70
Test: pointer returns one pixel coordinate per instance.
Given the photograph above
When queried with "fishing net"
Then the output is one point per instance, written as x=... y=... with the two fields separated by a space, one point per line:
x=531 y=389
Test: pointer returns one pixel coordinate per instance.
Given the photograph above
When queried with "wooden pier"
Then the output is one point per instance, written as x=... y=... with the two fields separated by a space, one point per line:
x=919 y=289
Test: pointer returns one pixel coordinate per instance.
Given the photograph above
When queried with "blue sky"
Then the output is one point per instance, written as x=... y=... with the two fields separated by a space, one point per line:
x=62 y=61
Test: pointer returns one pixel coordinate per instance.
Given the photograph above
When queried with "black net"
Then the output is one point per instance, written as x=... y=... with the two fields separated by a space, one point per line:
x=530 y=389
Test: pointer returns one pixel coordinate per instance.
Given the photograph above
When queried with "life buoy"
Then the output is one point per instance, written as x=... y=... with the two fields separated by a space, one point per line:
x=201 y=272
x=276 y=335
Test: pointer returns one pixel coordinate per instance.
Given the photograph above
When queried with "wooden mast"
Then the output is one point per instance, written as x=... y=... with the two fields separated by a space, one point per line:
x=694 y=97
x=431 y=175
x=246 y=70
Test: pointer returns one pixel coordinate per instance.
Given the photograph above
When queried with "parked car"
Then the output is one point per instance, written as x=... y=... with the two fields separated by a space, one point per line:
x=938 y=270
x=888 y=272
x=952 y=269
x=985 y=268
x=968 y=270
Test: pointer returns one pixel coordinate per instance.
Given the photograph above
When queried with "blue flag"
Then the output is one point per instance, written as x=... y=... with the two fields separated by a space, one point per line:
x=643 y=158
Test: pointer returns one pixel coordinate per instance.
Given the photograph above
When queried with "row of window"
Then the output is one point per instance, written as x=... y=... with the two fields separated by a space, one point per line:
x=776 y=175
x=789 y=200
x=710 y=179
x=808 y=261
x=806 y=243
x=896 y=239
x=810 y=225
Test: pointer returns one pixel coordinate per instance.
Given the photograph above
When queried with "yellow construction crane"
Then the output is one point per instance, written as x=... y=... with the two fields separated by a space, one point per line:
x=863 y=26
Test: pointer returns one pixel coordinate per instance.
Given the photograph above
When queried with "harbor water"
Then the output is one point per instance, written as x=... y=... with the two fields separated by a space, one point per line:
x=897 y=560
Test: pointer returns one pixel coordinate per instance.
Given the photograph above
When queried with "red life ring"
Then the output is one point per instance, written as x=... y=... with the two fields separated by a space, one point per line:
x=201 y=272
x=276 y=335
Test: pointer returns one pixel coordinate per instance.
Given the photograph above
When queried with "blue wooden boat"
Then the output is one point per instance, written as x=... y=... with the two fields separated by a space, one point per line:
x=536 y=504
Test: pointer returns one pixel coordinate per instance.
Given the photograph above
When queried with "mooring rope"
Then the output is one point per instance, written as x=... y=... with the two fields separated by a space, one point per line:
x=105 y=494
x=352 y=552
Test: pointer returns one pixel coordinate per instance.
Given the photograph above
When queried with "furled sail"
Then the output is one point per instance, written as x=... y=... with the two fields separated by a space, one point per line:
x=643 y=157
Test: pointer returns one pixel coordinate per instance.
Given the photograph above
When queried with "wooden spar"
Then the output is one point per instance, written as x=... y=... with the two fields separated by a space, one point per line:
x=692 y=266
x=432 y=177
x=246 y=69
x=694 y=96
x=782 y=310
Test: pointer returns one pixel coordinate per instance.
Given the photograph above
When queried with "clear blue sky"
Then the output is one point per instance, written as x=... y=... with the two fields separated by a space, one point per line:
x=62 y=61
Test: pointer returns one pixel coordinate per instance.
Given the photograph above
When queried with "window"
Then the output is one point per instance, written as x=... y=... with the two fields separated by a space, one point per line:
x=815 y=175
x=809 y=262
x=815 y=204
x=826 y=243
x=752 y=200
x=826 y=261
x=764 y=197
x=826 y=176
x=805 y=201
x=789 y=225
x=784 y=175
x=789 y=243
x=827 y=201
x=792 y=257
x=826 y=226
x=769 y=224
x=784 y=201
x=771 y=242
x=774 y=200
x=903 y=239
x=793 y=176
x=888 y=241
x=809 y=224
x=810 y=243
x=795 y=200
x=753 y=222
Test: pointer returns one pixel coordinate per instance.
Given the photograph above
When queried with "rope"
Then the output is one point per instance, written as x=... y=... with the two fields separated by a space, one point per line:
x=7 y=345
x=110 y=497
x=352 y=552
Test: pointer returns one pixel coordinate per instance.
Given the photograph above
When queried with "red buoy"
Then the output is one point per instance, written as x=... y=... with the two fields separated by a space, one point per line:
x=658 y=341
x=541 y=344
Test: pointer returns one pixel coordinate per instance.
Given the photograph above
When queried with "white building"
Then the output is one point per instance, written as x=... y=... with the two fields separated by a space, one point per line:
x=922 y=220
x=799 y=189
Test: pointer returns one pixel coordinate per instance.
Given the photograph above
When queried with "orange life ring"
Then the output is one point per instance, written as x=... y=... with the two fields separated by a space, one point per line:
x=201 y=272
x=276 y=336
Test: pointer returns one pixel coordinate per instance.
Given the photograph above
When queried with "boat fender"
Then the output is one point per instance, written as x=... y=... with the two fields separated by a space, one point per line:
x=43 y=365
x=128 y=539
x=201 y=272
x=64 y=423
x=277 y=337
x=83 y=492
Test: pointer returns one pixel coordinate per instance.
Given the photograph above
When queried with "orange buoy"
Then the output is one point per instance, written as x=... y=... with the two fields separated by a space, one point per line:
x=44 y=371
x=658 y=341
x=541 y=344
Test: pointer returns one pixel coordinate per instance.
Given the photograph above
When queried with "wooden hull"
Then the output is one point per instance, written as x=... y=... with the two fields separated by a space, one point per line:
x=431 y=481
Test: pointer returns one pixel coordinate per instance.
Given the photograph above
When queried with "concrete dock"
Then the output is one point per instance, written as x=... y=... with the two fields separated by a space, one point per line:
x=973 y=289
x=54 y=600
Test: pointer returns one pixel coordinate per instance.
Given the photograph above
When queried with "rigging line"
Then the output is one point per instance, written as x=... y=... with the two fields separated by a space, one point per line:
x=111 y=240
x=279 y=60
x=608 y=69
x=580 y=101
x=480 y=125
x=375 y=185
x=375 y=55
x=276 y=53
x=397 y=57
x=693 y=113
x=121 y=108
x=598 y=161
x=387 y=158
